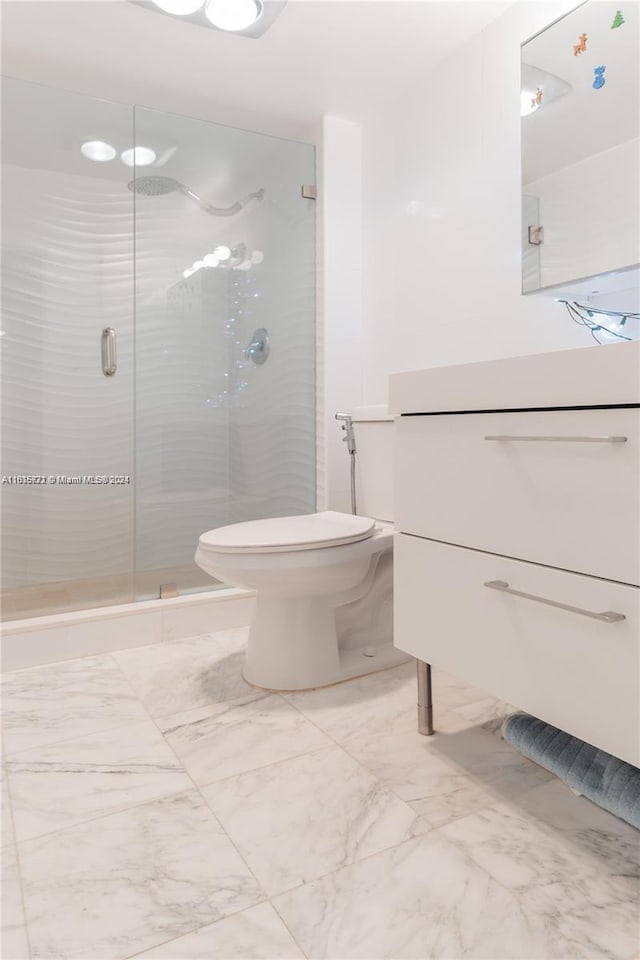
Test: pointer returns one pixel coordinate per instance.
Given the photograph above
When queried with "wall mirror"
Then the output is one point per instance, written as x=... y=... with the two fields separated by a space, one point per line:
x=580 y=107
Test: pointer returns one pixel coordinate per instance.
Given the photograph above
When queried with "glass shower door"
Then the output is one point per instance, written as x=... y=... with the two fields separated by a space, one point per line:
x=225 y=338
x=67 y=427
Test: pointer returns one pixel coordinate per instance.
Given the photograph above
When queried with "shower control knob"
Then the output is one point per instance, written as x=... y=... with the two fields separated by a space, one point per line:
x=258 y=349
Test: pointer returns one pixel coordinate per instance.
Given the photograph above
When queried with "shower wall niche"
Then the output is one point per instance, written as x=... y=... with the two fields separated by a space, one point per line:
x=184 y=257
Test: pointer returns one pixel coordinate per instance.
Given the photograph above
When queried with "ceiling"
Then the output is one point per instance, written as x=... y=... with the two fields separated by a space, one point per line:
x=346 y=57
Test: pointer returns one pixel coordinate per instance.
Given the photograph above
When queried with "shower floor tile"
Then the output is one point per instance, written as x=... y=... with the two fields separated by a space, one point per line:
x=164 y=808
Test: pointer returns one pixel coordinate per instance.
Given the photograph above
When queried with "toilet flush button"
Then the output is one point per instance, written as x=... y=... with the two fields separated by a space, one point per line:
x=369 y=652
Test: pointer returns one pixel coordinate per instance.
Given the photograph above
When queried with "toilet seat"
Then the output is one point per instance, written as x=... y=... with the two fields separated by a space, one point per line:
x=278 y=534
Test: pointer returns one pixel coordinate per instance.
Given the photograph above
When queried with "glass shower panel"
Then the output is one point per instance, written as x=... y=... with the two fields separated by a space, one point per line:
x=225 y=338
x=67 y=243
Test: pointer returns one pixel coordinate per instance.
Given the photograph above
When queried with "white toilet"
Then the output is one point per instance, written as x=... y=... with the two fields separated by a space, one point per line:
x=324 y=581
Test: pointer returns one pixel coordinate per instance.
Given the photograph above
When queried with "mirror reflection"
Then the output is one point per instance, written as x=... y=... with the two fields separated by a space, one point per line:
x=580 y=154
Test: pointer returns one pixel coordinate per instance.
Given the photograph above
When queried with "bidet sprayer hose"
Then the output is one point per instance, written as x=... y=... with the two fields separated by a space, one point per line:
x=350 y=440
x=352 y=457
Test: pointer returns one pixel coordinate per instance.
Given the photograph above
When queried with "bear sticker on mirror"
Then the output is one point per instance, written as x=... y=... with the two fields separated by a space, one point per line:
x=618 y=20
x=581 y=45
x=598 y=78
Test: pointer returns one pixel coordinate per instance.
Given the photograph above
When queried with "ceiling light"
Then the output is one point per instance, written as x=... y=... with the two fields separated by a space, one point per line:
x=222 y=253
x=210 y=260
x=179 y=8
x=233 y=14
x=197 y=265
x=138 y=156
x=98 y=150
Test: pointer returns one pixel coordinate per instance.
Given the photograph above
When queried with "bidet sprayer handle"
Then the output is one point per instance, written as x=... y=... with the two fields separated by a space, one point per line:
x=347 y=426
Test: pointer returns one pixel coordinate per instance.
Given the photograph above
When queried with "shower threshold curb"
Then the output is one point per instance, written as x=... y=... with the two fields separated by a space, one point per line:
x=80 y=633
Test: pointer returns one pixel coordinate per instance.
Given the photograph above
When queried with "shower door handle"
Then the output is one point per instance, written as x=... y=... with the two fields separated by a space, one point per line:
x=109 y=357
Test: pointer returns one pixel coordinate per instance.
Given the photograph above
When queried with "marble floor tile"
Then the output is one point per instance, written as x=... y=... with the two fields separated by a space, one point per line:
x=119 y=885
x=575 y=867
x=450 y=692
x=489 y=714
x=13 y=931
x=422 y=899
x=254 y=934
x=226 y=739
x=299 y=819
x=59 y=701
x=377 y=703
x=449 y=775
x=6 y=814
x=64 y=783
x=184 y=674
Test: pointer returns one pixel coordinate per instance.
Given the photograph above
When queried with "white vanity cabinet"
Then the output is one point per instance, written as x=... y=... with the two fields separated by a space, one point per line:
x=517 y=552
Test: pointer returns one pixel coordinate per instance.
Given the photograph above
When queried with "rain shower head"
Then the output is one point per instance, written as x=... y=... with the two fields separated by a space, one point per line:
x=154 y=186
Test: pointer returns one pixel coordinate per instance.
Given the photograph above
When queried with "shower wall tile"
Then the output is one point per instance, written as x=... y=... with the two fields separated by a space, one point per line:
x=67 y=274
x=217 y=438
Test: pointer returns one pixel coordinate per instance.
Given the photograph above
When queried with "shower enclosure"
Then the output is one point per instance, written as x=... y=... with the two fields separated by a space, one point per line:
x=158 y=344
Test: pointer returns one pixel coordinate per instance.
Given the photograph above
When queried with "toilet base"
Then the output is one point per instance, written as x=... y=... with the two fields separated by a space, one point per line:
x=352 y=664
x=302 y=642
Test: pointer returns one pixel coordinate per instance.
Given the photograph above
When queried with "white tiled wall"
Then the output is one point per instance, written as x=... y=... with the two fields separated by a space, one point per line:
x=442 y=199
x=342 y=321
x=585 y=211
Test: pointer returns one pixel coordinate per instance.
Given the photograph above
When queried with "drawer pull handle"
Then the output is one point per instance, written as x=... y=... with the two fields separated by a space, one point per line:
x=560 y=439
x=609 y=616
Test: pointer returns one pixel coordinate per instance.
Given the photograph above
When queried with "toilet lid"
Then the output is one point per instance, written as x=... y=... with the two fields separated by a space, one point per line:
x=312 y=531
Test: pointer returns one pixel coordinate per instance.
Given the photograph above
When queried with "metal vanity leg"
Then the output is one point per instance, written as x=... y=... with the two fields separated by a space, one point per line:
x=425 y=699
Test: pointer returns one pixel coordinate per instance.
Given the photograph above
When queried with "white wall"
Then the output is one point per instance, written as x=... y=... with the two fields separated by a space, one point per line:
x=441 y=216
x=340 y=318
x=590 y=215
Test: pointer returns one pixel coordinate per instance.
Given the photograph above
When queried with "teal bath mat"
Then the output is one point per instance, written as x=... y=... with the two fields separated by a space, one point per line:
x=611 y=783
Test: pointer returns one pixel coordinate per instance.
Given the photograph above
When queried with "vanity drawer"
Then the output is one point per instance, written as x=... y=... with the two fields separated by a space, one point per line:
x=563 y=666
x=571 y=501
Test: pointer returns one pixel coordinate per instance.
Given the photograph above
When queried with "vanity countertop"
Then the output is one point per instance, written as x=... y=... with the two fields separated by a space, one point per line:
x=603 y=375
